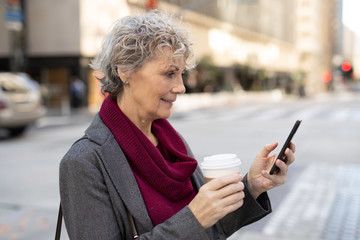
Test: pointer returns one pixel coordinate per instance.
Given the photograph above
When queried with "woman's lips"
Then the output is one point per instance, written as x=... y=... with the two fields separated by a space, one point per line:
x=167 y=100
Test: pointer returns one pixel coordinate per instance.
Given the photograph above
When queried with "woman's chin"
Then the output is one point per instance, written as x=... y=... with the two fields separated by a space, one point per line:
x=164 y=114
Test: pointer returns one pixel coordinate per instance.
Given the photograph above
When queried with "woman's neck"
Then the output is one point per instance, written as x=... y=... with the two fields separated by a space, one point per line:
x=143 y=123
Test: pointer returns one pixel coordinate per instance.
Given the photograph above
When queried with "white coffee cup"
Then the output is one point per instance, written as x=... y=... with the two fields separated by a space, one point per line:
x=220 y=165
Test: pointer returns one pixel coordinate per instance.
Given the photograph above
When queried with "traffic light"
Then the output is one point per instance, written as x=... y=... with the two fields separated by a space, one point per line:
x=326 y=77
x=151 y=4
x=346 y=69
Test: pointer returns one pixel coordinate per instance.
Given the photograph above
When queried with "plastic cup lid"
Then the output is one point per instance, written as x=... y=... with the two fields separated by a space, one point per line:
x=220 y=161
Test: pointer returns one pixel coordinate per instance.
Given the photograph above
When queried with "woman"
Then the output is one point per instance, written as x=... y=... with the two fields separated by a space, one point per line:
x=131 y=162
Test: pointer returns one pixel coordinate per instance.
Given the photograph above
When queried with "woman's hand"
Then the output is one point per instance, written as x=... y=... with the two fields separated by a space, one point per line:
x=217 y=198
x=258 y=179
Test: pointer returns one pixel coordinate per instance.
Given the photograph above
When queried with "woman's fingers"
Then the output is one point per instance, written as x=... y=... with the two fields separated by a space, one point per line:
x=221 y=182
x=233 y=207
x=279 y=178
x=217 y=198
x=292 y=147
x=290 y=156
x=230 y=190
x=267 y=150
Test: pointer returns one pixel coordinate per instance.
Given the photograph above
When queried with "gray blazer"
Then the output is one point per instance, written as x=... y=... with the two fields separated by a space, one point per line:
x=97 y=185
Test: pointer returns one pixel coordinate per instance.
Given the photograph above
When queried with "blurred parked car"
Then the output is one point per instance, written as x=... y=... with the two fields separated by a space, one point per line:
x=20 y=102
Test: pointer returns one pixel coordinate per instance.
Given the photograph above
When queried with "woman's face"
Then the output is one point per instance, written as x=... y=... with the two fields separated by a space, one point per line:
x=153 y=88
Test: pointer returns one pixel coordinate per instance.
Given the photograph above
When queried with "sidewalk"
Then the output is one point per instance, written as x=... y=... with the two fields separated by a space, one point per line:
x=194 y=101
x=55 y=117
x=317 y=207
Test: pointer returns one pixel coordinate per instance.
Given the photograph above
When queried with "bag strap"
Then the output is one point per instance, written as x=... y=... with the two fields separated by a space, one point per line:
x=130 y=218
x=132 y=224
x=59 y=224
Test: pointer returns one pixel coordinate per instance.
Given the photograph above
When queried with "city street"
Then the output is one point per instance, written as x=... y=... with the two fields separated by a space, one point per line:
x=319 y=199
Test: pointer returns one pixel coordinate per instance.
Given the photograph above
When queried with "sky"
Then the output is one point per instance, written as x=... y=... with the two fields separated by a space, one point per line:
x=351 y=16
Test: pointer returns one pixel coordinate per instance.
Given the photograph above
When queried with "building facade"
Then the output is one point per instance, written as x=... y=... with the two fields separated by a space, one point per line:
x=285 y=41
x=318 y=40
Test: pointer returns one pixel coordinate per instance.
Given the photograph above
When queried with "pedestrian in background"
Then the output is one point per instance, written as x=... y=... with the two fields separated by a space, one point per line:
x=132 y=169
x=77 y=91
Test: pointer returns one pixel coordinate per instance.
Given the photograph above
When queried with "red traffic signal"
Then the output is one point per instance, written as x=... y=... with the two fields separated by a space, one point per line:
x=151 y=4
x=326 y=77
x=346 y=66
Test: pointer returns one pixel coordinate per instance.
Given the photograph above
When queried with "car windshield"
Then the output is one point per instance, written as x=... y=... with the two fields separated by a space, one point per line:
x=13 y=85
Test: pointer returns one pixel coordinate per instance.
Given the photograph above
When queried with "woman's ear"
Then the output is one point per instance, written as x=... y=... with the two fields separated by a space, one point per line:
x=123 y=76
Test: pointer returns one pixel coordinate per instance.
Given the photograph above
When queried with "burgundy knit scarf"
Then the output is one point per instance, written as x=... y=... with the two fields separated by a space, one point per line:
x=165 y=184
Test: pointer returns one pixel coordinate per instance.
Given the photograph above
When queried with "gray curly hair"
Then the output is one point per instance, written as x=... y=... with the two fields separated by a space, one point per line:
x=134 y=40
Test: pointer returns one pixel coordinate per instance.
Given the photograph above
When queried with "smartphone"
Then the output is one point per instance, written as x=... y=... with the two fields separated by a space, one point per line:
x=281 y=155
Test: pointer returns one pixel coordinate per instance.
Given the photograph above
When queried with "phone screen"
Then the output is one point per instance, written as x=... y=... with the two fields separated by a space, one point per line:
x=281 y=155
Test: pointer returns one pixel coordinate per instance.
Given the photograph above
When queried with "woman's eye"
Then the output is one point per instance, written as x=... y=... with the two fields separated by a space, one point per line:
x=170 y=74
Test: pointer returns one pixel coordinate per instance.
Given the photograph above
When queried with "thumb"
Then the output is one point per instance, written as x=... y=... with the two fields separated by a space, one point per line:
x=268 y=148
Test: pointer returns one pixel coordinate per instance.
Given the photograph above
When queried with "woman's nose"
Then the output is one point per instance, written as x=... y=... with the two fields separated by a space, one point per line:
x=179 y=87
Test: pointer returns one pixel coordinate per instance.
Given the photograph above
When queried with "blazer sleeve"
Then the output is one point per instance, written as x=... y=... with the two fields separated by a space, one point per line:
x=183 y=226
x=86 y=204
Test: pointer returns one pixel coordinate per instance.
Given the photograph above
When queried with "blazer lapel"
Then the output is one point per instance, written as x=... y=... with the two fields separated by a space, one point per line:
x=119 y=171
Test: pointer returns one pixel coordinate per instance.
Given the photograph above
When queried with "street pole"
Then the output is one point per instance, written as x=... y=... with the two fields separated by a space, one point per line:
x=14 y=18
